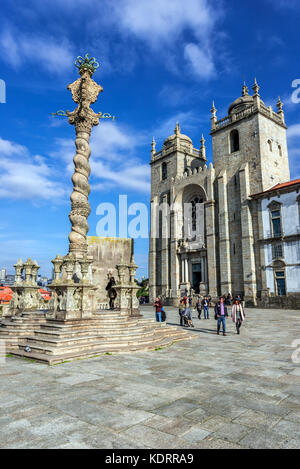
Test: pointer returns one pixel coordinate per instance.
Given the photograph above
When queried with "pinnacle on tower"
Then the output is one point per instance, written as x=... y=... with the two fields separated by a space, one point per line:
x=280 y=111
x=214 y=116
x=203 y=148
x=279 y=104
x=255 y=88
x=153 y=146
x=213 y=109
x=177 y=129
x=245 y=90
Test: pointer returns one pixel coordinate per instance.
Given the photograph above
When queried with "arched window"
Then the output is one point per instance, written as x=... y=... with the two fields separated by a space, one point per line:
x=280 y=150
x=270 y=145
x=164 y=171
x=234 y=141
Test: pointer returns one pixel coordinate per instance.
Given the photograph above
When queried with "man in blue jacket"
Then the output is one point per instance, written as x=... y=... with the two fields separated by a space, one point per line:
x=221 y=314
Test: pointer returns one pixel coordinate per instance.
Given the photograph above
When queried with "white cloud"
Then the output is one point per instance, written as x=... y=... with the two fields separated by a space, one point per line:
x=114 y=161
x=166 y=20
x=8 y=148
x=24 y=177
x=161 y=24
x=17 y=49
x=201 y=62
x=134 y=175
x=154 y=30
x=293 y=131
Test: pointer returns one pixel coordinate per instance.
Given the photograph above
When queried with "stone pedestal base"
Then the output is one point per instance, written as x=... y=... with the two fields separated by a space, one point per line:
x=71 y=301
x=109 y=332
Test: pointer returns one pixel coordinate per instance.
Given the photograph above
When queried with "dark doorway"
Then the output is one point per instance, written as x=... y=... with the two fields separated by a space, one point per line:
x=197 y=277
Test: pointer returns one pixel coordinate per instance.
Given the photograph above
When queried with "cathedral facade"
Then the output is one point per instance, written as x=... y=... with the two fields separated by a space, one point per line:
x=224 y=253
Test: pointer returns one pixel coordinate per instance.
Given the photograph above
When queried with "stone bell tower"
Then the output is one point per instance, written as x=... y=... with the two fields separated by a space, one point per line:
x=250 y=156
x=252 y=134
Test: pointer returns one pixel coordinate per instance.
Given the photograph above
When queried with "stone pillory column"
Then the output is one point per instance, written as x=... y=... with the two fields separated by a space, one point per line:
x=84 y=91
x=73 y=289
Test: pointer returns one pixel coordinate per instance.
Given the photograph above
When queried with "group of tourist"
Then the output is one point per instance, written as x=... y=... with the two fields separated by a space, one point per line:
x=220 y=310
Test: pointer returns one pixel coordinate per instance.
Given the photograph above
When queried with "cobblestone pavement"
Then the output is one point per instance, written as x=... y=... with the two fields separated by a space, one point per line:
x=210 y=392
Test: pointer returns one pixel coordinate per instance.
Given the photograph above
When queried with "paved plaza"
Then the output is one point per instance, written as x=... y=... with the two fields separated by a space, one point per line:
x=209 y=392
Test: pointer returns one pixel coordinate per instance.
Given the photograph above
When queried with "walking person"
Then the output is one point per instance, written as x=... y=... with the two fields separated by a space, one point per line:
x=182 y=310
x=220 y=315
x=158 y=307
x=112 y=294
x=199 y=307
x=205 y=307
x=238 y=314
x=188 y=316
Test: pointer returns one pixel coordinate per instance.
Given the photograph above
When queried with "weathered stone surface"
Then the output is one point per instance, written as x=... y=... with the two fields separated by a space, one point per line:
x=120 y=400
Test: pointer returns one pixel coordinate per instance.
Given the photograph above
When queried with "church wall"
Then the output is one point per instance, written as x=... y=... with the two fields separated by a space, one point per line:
x=239 y=222
x=274 y=168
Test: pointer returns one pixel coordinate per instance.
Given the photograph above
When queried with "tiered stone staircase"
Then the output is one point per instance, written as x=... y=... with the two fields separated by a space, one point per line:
x=16 y=327
x=55 y=342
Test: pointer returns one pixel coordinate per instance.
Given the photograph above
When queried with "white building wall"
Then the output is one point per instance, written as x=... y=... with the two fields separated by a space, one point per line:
x=292 y=252
x=291 y=249
x=289 y=213
x=270 y=280
x=293 y=279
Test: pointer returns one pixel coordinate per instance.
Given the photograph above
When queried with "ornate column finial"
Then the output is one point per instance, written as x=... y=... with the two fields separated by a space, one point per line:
x=280 y=111
x=177 y=130
x=85 y=92
x=214 y=116
x=153 y=147
x=203 y=148
x=255 y=88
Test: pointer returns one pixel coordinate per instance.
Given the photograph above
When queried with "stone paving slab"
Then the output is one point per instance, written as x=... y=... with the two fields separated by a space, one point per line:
x=219 y=392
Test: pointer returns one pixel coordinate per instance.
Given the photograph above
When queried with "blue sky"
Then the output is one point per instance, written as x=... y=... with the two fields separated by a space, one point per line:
x=161 y=61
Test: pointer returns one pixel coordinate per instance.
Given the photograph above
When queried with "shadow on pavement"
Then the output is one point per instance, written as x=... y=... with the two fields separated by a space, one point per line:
x=193 y=329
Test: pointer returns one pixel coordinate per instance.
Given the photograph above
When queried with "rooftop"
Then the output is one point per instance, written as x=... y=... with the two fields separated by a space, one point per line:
x=280 y=186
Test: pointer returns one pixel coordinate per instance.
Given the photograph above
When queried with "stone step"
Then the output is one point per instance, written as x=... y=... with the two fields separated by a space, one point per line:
x=21 y=326
x=44 y=333
x=103 y=321
x=69 y=341
x=98 y=344
x=49 y=325
x=19 y=333
x=59 y=358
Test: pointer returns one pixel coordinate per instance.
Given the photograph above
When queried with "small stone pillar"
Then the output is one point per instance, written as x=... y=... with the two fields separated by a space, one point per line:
x=26 y=295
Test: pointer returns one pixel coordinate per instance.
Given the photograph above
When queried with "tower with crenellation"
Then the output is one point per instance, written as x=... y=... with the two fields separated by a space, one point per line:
x=249 y=157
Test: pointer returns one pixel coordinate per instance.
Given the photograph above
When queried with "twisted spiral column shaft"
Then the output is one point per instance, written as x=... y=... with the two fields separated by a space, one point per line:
x=80 y=207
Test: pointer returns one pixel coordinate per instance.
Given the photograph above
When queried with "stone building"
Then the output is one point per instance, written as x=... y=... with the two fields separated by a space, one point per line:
x=206 y=233
x=279 y=244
